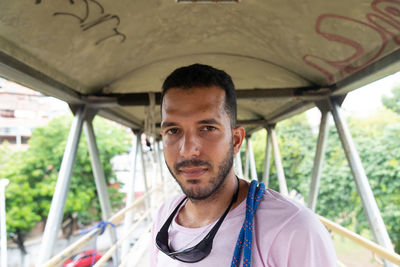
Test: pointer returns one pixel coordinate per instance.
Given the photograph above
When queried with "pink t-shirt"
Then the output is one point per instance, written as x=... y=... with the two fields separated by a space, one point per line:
x=285 y=234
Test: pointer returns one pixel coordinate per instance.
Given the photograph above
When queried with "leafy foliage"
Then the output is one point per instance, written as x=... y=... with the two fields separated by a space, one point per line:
x=378 y=142
x=33 y=174
x=380 y=155
x=393 y=103
x=296 y=145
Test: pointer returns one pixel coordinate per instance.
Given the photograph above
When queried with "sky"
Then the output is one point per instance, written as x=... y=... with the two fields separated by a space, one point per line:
x=363 y=101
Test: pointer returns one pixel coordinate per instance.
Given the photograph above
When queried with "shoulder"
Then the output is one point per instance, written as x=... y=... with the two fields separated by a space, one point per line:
x=278 y=208
x=287 y=215
x=297 y=234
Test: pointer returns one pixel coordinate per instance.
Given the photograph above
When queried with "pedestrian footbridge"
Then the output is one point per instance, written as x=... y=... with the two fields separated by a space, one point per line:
x=109 y=58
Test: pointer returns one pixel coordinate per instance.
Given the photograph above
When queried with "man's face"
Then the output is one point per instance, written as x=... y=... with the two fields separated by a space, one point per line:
x=198 y=140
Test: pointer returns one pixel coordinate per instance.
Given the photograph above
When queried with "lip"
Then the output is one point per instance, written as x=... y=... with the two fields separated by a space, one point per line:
x=193 y=172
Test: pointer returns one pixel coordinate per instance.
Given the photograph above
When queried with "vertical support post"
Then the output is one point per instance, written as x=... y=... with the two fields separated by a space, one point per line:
x=371 y=209
x=278 y=163
x=60 y=193
x=130 y=197
x=146 y=187
x=247 y=159
x=238 y=165
x=267 y=160
x=253 y=171
x=99 y=177
x=3 y=232
x=154 y=161
x=160 y=166
x=18 y=139
x=318 y=160
x=98 y=172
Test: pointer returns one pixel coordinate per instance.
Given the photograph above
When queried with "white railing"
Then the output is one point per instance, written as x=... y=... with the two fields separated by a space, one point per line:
x=362 y=241
x=116 y=219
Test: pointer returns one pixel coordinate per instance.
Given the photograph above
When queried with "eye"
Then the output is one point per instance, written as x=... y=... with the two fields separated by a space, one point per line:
x=208 y=128
x=172 y=131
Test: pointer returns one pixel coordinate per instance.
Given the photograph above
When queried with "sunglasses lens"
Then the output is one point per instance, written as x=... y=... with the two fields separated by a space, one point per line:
x=162 y=244
x=192 y=256
x=202 y=249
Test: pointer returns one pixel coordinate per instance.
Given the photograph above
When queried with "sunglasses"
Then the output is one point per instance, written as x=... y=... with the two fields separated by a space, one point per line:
x=199 y=251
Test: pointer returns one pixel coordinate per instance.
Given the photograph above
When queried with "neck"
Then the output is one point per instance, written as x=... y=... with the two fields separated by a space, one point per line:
x=198 y=213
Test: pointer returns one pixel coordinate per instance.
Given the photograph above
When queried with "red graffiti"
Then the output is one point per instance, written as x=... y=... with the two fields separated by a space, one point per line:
x=385 y=22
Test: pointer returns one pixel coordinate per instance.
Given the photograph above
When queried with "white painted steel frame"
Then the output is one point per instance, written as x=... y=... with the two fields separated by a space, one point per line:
x=98 y=172
x=370 y=206
x=146 y=187
x=267 y=160
x=157 y=145
x=99 y=178
x=238 y=165
x=247 y=159
x=130 y=196
x=3 y=230
x=60 y=193
x=253 y=170
x=318 y=160
x=278 y=162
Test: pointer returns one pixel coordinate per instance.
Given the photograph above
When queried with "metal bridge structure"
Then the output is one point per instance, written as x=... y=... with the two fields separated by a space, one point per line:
x=109 y=58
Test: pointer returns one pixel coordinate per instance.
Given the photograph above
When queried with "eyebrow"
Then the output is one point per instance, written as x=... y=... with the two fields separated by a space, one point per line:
x=209 y=121
x=167 y=124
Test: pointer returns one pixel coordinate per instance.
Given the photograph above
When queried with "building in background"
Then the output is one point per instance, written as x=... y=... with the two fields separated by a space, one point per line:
x=21 y=110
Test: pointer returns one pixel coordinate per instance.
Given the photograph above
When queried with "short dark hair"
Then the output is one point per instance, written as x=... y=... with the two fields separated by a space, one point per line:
x=198 y=75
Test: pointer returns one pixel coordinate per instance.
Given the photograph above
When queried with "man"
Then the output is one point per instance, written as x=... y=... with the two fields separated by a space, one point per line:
x=201 y=226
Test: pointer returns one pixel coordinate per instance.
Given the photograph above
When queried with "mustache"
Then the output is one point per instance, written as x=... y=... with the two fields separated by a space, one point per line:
x=192 y=163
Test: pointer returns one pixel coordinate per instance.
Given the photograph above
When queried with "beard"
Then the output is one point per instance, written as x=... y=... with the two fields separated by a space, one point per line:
x=215 y=182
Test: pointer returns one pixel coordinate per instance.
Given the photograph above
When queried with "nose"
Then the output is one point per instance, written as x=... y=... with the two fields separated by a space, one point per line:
x=190 y=146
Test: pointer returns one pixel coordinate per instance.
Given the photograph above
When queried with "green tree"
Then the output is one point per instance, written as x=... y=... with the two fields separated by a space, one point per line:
x=377 y=140
x=296 y=145
x=33 y=175
x=393 y=102
x=5 y=151
x=337 y=190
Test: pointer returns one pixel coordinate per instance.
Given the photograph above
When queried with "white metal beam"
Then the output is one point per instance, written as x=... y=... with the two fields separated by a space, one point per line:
x=60 y=193
x=253 y=170
x=318 y=160
x=247 y=159
x=146 y=187
x=99 y=178
x=267 y=160
x=130 y=196
x=370 y=206
x=278 y=162
x=238 y=165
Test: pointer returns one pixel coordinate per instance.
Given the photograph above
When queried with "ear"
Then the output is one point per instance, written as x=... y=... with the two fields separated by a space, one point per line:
x=238 y=134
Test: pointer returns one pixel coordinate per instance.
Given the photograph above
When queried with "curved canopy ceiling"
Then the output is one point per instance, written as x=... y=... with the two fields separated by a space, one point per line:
x=283 y=55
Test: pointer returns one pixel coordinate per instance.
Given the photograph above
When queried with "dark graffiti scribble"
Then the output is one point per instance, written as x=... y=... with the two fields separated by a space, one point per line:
x=40 y=1
x=81 y=20
x=100 y=6
x=99 y=17
x=88 y=25
x=116 y=33
x=69 y=14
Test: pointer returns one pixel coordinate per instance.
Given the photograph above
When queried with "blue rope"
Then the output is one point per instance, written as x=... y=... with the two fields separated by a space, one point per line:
x=246 y=232
x=102 y=225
